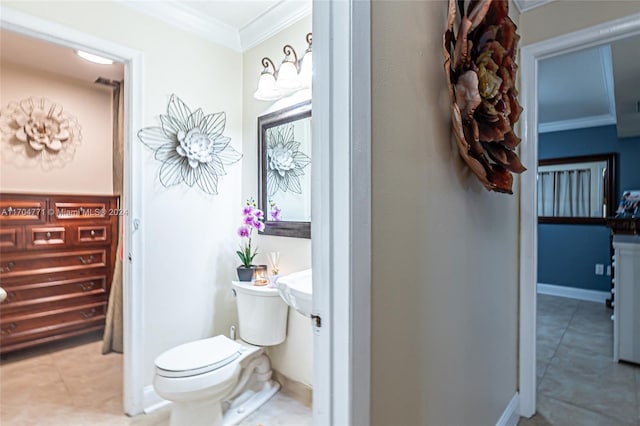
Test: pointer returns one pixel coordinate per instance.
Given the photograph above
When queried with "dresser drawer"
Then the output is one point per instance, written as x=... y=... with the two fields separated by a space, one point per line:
x=11 y=238
x=92 y=234
x=31 y=264
x=36 y=324
x=21 y=209
x=43 y=237
x=68 y=209
x=31 y=294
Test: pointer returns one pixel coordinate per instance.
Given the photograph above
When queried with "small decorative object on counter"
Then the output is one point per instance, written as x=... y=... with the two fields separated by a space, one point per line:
x=274 y=260
x=252 y=218
x=481 y=73
x=629 y=206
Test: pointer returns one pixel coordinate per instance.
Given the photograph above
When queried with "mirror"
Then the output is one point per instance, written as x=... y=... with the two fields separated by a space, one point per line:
x=576 y=189
x=284 y=171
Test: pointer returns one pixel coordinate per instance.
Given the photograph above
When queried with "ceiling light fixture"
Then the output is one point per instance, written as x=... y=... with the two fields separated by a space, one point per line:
x=94 y=58
x=294 y=74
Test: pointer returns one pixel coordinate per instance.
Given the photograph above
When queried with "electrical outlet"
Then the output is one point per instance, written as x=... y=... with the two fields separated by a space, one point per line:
x=609 y=270
x=599 y=269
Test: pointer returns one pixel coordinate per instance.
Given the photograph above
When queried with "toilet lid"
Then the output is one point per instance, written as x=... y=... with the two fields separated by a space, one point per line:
x=197 y=357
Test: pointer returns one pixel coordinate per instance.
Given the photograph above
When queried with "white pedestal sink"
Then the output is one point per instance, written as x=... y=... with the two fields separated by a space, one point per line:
x=297 y=290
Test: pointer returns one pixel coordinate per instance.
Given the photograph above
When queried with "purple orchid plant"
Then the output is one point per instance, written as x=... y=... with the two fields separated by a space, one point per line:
x=275 y=212
x=252 y=218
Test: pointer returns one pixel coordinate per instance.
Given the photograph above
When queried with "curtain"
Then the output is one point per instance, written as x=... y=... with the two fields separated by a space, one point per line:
x=564 y=193
x=112 y=339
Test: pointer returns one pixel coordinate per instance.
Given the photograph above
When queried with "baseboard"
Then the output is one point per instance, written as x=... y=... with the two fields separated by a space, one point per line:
x=153 y=401
x=298 y=391
x=574 y=293
x=510 y=415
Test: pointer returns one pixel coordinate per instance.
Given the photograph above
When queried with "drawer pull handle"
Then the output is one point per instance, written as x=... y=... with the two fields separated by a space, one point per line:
x=10 y=296
x=8 y=329
x=8 y=268
x=87 y=260
x=92 y=233
x=87 y=286
x=88 y=314
x=48 y=235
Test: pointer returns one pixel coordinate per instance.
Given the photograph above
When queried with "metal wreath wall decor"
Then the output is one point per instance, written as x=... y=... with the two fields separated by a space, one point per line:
x=190 y=146
x=481 y=72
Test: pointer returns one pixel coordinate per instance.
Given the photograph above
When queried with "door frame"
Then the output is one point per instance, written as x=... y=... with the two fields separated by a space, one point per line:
x=530 y=56
x=133 y=276
x=341 y=204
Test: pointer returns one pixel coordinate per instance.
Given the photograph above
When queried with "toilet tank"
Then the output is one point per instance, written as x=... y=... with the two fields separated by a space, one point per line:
x=262 y=314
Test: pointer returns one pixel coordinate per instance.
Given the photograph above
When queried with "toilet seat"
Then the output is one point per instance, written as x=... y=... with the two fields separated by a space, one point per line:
x=199 y=357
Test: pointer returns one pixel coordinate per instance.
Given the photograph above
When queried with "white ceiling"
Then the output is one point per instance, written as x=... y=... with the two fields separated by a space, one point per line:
x=41 y=55
x=591 y=87
x=237 y=24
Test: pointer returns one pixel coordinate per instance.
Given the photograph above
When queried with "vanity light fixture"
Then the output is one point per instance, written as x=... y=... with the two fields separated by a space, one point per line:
x=294 y=74
x=94 y=58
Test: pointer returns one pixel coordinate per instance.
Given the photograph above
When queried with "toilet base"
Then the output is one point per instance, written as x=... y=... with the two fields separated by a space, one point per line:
x=249 y=401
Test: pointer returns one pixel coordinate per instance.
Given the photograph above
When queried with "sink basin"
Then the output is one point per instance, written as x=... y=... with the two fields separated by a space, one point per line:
x=296 y=290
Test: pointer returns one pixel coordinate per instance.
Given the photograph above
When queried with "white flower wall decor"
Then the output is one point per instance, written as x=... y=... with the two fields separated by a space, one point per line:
x=285 y=161
x=38 y=131
x=190 y=146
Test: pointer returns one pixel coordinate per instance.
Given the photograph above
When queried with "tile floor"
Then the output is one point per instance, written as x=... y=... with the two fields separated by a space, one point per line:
x=578 y=382
x=72 y=384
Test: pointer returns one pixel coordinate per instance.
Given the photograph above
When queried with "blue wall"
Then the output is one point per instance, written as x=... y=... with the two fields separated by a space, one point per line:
x=567 y=254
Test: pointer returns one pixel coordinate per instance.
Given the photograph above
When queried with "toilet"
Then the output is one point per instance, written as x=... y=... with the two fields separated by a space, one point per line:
x=218 y=380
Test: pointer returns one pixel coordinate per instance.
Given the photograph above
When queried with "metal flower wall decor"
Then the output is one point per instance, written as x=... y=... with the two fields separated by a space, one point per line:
x=481 y=72
x=190 y=146
x=285 y=162
x=38 y=131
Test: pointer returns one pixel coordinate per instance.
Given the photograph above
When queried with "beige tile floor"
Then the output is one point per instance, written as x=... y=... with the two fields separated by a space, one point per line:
x=72 y=384
x=578 y=382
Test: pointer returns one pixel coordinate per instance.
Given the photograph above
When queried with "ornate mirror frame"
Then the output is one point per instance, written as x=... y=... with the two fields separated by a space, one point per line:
x=608 y=186
x=290 y=114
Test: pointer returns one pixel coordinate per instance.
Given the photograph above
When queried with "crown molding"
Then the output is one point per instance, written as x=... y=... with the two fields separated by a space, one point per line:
x=596 y=120
x=179 y=15
x=577 y=123
x=186 y=18
x=274 y=20
x=525 y=5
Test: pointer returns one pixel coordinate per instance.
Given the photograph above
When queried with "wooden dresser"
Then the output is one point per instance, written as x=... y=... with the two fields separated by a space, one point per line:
x=57 y=254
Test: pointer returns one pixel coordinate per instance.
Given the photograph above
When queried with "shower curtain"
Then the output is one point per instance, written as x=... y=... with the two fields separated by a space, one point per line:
x=112 y=339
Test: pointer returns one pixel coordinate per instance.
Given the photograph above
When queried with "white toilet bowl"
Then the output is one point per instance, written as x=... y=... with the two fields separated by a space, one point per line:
x=219 y=381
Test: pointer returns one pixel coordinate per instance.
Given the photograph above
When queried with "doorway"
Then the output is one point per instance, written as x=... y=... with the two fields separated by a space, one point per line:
x=531 y=56
x=132 y=295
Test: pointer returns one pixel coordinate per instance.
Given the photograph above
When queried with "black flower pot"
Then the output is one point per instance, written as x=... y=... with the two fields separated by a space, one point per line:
x=247 y=274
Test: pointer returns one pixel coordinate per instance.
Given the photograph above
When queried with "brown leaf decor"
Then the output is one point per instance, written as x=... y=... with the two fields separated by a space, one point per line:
x=481 y=73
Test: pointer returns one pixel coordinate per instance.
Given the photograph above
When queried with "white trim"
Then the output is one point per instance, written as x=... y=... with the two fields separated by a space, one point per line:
x=184 y=17
x=510 y=415
x=578 y=123
x=153 y=401
x=274 y=20
x=341 y=203
x=13 y=20
x=573 y=292
x=525 y=5
x=596 y=35
x=606 y=59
